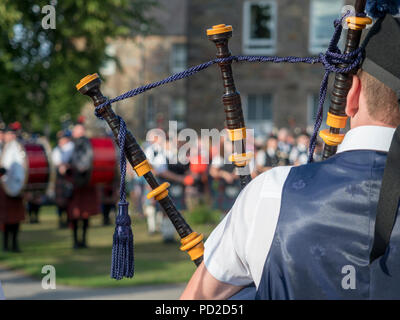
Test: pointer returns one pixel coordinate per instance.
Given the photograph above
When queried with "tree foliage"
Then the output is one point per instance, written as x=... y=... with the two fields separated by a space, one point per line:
x=40 y=67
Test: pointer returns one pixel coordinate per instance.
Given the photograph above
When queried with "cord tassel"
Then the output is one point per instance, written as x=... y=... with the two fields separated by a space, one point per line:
x=122 y=264
x=122 y=261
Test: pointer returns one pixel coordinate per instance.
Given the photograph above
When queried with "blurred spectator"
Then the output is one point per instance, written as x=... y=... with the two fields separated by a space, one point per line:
x=85 y=199
x=197 y=180
x=135 y=187
x=109 y=199
x=175 y=173
x=285 y=144
x=13 y=209
x=268 y=157
x=226 y=184
x=299 y=153
x=319 y=148
x=157 y=154
x=63 y=190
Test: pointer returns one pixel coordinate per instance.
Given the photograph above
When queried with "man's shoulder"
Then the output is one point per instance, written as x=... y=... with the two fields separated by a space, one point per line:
x=270 y=183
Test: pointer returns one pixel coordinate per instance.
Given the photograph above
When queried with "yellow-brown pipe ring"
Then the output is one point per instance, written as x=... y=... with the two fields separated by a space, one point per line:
x=331 y=139
x=242 y=159
x=219 y=28
x=237 y=134
x=84 y=81
x=142 y=168
x=160 y=192
x=336 y=121
x=358 y=23
x=193 y=245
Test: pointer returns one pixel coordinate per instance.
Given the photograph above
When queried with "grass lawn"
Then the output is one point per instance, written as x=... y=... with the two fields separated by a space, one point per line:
x=45 y=244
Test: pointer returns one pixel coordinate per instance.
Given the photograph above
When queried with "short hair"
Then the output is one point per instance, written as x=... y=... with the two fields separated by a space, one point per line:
x=382 y=101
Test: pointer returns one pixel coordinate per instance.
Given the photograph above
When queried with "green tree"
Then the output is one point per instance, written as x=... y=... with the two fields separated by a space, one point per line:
x=40 y=67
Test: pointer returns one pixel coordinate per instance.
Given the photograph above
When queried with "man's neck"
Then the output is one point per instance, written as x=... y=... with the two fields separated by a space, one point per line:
x=354 y=124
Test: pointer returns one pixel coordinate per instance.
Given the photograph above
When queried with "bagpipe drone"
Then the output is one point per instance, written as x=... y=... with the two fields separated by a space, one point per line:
x=343 y=64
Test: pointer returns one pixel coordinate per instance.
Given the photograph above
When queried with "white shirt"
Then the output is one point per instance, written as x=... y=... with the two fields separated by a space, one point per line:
x=236 y=250
x=62 y=155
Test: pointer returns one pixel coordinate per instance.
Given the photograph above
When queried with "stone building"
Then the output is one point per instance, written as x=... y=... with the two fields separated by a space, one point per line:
x=273 y=95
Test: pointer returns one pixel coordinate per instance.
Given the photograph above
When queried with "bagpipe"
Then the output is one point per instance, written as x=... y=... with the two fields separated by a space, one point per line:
x=344 y=64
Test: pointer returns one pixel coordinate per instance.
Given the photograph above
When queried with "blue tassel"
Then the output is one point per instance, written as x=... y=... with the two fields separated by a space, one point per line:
x=122 y=264
x=379 y=8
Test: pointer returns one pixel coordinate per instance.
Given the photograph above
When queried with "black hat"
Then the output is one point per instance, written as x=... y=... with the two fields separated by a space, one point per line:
x=382 y=49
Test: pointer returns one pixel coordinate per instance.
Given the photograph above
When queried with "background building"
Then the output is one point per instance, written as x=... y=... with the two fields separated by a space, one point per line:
x=273 y=95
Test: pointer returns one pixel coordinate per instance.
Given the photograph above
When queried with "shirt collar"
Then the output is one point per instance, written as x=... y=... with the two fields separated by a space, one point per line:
x=376 y=138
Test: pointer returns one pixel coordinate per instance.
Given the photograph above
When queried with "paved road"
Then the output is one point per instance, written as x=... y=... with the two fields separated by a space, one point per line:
x=19 y=286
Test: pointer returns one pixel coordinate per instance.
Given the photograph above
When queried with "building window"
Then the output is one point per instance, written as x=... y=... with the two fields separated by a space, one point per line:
x=110 y=66
x=322 y=13
x=259 y=27
x=178 y=57
x=178 y=112
x=259 y=108
x=313 y=104
x=259 y=113
x=150 y=112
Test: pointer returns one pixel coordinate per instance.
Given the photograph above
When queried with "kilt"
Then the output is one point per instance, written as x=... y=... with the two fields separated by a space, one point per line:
x=12 y=209
x=63 y=191
x=85 y=202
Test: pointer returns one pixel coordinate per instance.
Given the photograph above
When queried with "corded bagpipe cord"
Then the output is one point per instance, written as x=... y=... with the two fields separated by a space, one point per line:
x=122 y=262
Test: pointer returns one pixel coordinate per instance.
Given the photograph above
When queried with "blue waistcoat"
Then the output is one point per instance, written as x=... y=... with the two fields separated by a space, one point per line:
x=325 y=233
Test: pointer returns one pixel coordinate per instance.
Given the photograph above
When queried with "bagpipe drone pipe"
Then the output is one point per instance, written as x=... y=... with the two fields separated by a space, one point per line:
x=234 y=119
x=337 y=117
x=192 y=242
x=344 y=64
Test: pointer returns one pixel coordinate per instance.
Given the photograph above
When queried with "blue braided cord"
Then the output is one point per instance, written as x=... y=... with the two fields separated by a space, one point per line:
x=328 y=60
x=319 y=118
x=193 y=70
x=122 y=160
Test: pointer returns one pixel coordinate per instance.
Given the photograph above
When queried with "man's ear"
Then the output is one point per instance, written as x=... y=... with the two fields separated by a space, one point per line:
x=353 y=97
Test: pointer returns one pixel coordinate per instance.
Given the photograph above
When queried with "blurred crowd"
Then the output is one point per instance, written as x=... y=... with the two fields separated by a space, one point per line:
x=207 y=177
x=201 y=175
x=283 y=148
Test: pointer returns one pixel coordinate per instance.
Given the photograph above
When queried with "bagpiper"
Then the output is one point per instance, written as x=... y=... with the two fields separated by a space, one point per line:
x=324 y=230
x=61 y=156
x=84 y=200
x=12 y=208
